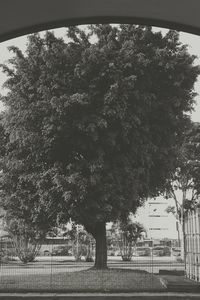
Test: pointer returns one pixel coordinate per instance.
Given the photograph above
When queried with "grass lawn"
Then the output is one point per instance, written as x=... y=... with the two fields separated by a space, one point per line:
x=90 y=280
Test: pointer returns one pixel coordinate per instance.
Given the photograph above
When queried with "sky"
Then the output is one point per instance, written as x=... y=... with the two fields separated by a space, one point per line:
x=167 y=223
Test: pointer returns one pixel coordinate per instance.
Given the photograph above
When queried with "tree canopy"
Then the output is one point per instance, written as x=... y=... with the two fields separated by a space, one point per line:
x=186 y=178
x=184 y=185
x=92 y=123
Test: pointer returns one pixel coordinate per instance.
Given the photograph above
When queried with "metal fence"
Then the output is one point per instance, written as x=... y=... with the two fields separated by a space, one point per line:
x=192 y=244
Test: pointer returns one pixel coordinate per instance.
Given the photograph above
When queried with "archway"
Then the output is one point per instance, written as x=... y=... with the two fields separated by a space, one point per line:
x=18 y=18
x=36 y=16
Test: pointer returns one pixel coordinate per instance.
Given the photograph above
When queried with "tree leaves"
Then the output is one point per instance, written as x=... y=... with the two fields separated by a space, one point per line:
x=93 y=124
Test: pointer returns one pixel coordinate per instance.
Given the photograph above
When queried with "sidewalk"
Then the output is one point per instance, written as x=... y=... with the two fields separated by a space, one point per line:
x=179 y=283
x=177 y=288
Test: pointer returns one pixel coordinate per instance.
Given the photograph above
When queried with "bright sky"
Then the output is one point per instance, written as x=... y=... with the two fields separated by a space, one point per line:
x=143 y=216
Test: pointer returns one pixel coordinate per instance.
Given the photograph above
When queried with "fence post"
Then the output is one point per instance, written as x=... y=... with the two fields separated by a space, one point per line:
x=192 y=246
x=186 y=244
x=198 y=243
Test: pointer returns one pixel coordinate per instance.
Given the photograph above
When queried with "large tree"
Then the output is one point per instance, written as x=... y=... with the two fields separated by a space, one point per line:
x=93 y=123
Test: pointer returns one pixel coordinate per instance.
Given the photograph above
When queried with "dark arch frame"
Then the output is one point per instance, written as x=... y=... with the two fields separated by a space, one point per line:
x=27 y=16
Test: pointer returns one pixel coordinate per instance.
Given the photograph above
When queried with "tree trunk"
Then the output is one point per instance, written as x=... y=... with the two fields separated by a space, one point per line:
x=101 y=246
x=178 y=225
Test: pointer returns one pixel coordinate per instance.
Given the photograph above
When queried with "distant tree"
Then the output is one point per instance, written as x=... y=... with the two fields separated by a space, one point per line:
x=128 y=233
x=184 y=186
x=26 y=240
x=82 y=242
x=88 y=242
x=92 y=126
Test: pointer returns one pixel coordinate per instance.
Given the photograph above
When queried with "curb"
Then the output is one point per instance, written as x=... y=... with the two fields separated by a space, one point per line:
x=98 y=296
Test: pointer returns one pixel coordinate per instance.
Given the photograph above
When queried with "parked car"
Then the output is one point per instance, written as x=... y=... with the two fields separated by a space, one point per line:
x=176 y=251
x=143 y=251
x=158 y=251
x=61 y=251
x=47 y=253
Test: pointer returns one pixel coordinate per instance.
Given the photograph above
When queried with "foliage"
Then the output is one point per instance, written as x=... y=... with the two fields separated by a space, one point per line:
x=186 y=176
x=82 y=242
x=92 y=125
x=184 y=186
x=26 y=240
x=128 y=233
